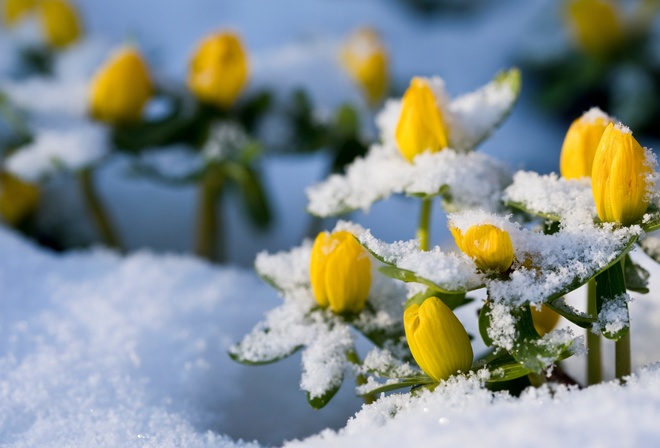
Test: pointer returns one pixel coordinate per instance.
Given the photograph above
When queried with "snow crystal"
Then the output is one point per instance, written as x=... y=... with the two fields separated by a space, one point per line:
x=48 y=96
x=593 y=114
x=613 y=316
x=383 y=363
x=502 y=328
x=622 y=128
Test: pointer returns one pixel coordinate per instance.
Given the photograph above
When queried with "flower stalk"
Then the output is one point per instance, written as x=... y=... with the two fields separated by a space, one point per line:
x=210 y=244
x=594 y=362
x=423 y=229
x=97 y=210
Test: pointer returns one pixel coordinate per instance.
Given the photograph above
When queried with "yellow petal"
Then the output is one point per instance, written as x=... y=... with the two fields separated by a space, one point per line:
x=121 y=88
x=17 y=198
x=365 y=58
x=545 y=320
x=580 y=143
x=596 y=25
x=437 y=339
x=317 y=264
x=218 y=71
x=13 y=11
x=619 y=178
x=420 y=127
x=490 y=247
x=60 y=22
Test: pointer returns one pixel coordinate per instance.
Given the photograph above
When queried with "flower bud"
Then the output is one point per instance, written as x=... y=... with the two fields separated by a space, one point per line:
x=595 y=25
x=580 y=143
x=490 y=247
x=121 y=88
x=340 y=272
x=620 y=177
x=218 y=70
x=545 y=320
x=365 y=58
x=437 y=340
x=13 y=11
x=60 y=22
x=17 y=198
x=421 y=127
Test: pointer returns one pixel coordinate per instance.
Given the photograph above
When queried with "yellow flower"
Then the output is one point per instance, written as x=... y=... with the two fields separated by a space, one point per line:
x=340 y=272
x=13 y=11
x=421 y=127
x=490 y=247
x=544 y=320
x=218 y=70
x=580 y=143
x=437 y=340
x=121 y=88
x=620 y=177
x=596 y=25
x=365 y=58
x=60 y=21
x=17 y=198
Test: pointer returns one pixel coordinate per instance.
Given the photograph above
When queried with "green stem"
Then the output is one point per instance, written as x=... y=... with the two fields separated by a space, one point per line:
x=424 y=224
x=209 y=243
x=353 y=358
x=594 y=363
x=622 y=362
x=95 y=207
x=537 y=379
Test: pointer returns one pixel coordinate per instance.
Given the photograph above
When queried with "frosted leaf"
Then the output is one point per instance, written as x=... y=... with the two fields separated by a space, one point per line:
x=227 y=140
x=472 y=179
x=651 y=245
x=613 y=316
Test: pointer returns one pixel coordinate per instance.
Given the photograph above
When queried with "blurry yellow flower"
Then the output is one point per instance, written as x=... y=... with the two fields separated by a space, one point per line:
x=60 y=21
x=121 y=88
x=421 y=127
x=15 y=10
x=620 y=177
x=490 y=247
x=437 y=339
x=596 y=25
x=218 y=70
x=340 y=272
x=544 y=320
x=17 y=198
x=580 y=143
x=365 y=58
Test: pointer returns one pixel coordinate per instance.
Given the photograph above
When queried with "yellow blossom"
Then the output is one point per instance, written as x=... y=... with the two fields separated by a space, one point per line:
x=420 y=127
x=580 y=143
x=18 y=198
x=121 y=88
x=620 y=177
x=544 y=320
x=60 y=21
x=218 y=70
x=596 y=25
x=489 y=246
x=365 y=58
x=13 y=11
x=340 y=272
x=437 y=339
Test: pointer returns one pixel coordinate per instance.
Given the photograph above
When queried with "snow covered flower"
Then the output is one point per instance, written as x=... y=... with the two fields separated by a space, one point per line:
x=620 y=177
x=15 y=10
x=580 y=143
x=437 y=339
x=121 y=88
x=60 y=22
x=596 y=25
x=218 y=70
x=340 y=272
x=365 y=58
x=489 y=246
x=544 y=320
x=421 y=127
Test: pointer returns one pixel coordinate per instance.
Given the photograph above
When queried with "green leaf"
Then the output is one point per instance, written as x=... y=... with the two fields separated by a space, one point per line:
x=503 y=368
x=235 y=354
x=409 y=276
x=453 y=301
x=636 y=277
x=559 y=306
x=523 y=207
x=610 y=295
x=253 y=195
x=651 y=246
x=484 y=323
x=320 y=402
x=403 y=382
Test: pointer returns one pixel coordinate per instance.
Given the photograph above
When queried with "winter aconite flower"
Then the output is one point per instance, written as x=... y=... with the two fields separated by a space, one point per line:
x=421 y=127
x=340 y=272
x=365 y=58
x=544 y=320
x=620 y=177
x=580 y=143
x=218 y=70
x=596 y=25
x=60 y=21
x=437 y=340
x=489 y=246
x=121 y=88
x=13 y=11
